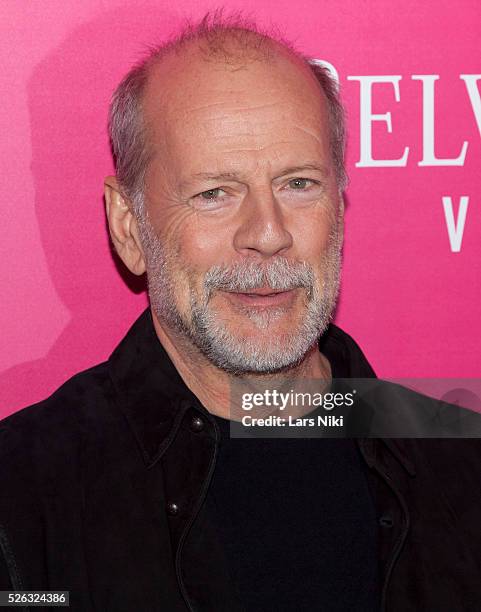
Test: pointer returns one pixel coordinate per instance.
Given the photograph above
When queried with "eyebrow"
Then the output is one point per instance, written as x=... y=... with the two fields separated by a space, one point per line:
x=215 y=177
x=307 y=166
x=234 y=176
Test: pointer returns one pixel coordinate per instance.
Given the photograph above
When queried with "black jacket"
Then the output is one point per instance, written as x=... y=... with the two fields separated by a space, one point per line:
x=102 y=486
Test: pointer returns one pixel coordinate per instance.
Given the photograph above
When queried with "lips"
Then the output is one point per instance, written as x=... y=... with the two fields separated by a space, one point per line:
x=263 y=291
x=262 y=297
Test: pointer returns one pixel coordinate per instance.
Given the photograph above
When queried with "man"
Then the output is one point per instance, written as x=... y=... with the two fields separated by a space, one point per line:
x=125 y=487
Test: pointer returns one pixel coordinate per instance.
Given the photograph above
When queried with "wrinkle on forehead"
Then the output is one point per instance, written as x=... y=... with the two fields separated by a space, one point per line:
x=241 y=108
x=242 y=128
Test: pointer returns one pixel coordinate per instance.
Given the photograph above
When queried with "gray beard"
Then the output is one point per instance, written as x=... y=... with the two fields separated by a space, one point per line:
x=208 y=331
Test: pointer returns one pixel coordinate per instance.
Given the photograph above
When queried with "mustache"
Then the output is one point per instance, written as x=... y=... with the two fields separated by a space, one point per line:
x=279 y=274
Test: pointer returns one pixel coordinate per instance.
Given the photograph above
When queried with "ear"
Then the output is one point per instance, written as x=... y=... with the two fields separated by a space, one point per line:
x=123 y=227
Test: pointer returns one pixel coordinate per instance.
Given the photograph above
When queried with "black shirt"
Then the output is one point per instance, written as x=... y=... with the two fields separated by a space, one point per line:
x=296 y=521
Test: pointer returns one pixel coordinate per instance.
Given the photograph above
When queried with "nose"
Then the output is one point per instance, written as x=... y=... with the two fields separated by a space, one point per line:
x=262 y=230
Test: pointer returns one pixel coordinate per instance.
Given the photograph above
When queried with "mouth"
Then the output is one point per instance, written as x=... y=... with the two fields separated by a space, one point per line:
x=263 y=297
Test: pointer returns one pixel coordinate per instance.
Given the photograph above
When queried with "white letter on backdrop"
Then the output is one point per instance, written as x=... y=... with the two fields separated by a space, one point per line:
x=429 y=157
x=367 y=118
x=455 y=228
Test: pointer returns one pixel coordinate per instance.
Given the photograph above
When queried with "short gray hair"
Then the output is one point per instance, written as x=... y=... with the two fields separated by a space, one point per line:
x=127 y=131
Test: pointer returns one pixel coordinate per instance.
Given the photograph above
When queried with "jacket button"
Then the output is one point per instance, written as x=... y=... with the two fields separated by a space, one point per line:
x=197 y=424
x=172 y=508
x=386 y=521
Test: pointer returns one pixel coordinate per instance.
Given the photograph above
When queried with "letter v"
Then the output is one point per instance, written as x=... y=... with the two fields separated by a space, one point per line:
x=455 y=228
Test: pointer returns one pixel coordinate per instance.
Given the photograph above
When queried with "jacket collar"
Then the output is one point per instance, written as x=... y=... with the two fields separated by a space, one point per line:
x=149 y=390
x=154 y=399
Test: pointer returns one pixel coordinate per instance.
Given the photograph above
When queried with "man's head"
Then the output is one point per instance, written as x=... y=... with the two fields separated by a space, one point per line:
x=229 y=152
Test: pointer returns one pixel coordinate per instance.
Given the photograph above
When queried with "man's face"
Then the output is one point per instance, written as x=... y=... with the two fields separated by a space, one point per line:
x=243 y=234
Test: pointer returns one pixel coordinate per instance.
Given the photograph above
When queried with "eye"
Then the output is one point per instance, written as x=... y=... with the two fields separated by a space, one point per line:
x=212 y=199
x=211 y=194
x=301 y=191
x=300 y=184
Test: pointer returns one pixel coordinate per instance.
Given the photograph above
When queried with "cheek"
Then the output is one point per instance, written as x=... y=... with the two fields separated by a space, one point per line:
x=311 y=235
x=202 y=245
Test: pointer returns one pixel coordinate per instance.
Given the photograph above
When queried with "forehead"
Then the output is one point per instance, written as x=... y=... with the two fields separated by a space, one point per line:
x=193 y=104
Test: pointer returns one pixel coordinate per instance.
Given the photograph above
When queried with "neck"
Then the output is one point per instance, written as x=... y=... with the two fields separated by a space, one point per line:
x=212 y=386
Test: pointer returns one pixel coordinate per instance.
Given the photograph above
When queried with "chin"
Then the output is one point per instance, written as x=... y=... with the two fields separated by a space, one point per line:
x=257 y=351
x=271 y=320
x=262 y=363
x=256 y=340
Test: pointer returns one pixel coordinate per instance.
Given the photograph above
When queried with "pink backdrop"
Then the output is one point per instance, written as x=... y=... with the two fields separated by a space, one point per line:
x=411 y=279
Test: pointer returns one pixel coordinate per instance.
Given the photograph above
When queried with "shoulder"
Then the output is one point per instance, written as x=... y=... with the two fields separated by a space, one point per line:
x=45 y=452
x=48 y=432
x=77 y=392
x=395 y=410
